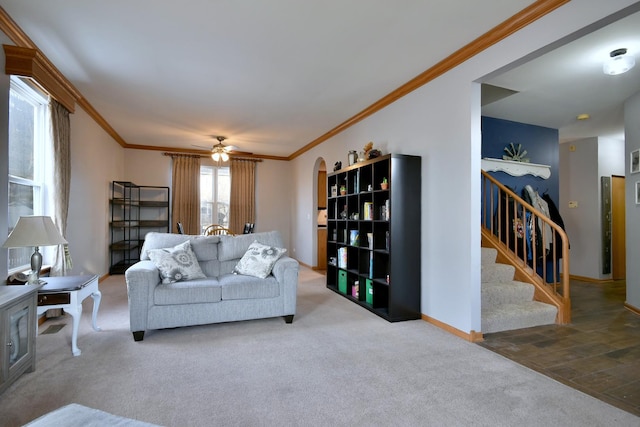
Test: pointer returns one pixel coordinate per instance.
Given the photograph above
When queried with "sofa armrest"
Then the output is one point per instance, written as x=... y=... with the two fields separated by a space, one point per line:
x=141 y=278
x=285 y=270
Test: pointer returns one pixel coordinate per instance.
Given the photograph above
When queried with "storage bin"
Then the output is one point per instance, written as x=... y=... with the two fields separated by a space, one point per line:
x=369 y=291
x=342 y=281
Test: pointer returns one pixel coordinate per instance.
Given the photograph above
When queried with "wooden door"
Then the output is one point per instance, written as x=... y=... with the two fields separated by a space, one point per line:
x=618 y=229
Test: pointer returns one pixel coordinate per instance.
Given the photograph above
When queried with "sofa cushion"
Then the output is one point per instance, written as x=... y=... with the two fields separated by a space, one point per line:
x=176 y=264
x=234 y=247
x=205 y=247
x=188 y=292
x=258 y=260
x=235 y=287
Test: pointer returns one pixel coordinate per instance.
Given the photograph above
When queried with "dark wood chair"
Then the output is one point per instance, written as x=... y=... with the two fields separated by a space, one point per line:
x=180 y=228
x=248 y=228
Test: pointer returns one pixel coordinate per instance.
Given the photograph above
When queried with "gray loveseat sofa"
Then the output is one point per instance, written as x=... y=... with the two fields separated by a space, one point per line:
x=221 y=296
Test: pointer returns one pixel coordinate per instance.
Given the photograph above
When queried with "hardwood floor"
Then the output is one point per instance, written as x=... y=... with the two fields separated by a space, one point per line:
x=598 y=353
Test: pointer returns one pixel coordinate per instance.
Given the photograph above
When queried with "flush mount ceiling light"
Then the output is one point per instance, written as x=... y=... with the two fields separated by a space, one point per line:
x=618 y=63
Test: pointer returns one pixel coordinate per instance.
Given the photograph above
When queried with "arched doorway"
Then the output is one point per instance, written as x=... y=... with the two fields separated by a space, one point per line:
x=321 y=208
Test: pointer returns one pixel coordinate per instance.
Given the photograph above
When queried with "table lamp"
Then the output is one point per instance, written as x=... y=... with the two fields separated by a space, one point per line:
x=34 y=231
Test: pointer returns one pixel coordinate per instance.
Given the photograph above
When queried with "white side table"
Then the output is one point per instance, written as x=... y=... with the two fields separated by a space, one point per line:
x=67 y=293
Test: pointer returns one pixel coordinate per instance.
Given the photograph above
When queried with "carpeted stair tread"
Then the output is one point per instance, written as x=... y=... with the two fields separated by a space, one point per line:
x=506 y=317
x=496 y=293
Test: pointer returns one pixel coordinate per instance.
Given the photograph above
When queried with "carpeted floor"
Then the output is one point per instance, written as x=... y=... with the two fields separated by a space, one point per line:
x=336 y=364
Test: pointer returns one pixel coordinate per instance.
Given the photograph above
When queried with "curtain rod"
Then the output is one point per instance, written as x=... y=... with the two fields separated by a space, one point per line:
x=250 y=159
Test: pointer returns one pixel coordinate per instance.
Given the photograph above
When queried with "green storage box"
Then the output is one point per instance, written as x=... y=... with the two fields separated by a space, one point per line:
x=369 y=291
x=342 y=281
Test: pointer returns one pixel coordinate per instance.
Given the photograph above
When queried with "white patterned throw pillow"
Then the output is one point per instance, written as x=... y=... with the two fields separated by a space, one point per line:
x=176 y=264
x=258 y=260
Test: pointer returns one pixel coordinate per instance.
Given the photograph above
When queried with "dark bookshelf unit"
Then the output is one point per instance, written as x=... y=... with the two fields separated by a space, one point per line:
x=373 y=235
x=135 y=210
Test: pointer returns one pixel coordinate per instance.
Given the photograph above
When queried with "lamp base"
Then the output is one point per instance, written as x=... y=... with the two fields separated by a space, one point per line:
x=36 y=264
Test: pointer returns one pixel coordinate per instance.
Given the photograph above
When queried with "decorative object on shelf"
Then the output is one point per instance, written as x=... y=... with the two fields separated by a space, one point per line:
x=515 y=153
x=361 y=157
x=384 y=184
x=337 y=166
x=352 y=157
x=634 y=161
x=334 y=190
x=373 y=153
x=367 y=148
x=34 y=231
x=370 y=152
x=343 y=190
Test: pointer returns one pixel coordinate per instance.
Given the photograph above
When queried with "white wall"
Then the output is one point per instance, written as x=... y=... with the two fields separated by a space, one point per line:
x=582 y=163
x=441 y=122
x=579 y=168
x=273 y=200
x=96 y=160
x=145 y=167
x=632 y=142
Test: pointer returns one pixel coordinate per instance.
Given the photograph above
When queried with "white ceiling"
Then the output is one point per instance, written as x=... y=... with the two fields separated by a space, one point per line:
x=553 y=89
x=275 y=75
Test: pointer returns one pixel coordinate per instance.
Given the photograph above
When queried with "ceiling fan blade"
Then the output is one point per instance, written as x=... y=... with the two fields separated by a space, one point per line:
x=202 y=146
x=228 y=148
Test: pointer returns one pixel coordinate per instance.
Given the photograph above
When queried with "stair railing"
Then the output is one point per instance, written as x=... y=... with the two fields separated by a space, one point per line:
x=533 y=243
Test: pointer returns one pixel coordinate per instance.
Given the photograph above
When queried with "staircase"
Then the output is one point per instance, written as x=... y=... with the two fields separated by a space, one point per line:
x=506 y=303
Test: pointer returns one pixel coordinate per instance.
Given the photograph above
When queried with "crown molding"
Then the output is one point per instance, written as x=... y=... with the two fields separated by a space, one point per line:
x=28 y=62
x=503 y=30
x=46 y=74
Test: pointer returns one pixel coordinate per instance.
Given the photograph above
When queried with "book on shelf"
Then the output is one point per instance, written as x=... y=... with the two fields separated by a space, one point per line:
x=354 y=237
x=371 y=265
x=342 y=258
x=368 y=210
x=387 y=210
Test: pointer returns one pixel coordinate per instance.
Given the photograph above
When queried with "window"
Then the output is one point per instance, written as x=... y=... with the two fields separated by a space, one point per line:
x=28 y=133
x=215 y=189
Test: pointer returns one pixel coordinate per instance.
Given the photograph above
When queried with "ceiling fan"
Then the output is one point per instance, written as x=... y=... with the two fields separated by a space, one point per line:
x=221 y=151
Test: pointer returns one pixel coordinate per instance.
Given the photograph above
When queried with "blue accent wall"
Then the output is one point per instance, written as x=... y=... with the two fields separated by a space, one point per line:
x=541 y=143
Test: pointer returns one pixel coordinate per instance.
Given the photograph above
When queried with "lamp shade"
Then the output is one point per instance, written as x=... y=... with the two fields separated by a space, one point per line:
x=34 y=231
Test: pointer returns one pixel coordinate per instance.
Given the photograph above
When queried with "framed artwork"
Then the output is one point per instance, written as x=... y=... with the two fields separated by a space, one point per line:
x=634 y=162
x=638 y=193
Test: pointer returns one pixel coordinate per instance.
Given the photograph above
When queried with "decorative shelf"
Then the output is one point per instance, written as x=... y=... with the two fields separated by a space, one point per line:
x=516 y=168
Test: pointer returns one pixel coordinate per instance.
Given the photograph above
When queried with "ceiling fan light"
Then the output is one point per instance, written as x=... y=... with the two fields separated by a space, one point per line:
x=215 y=156
x=618 y=63
x=224 y=156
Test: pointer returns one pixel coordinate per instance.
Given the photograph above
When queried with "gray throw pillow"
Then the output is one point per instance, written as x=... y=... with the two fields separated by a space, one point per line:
x=258 y=260
x=176 y=264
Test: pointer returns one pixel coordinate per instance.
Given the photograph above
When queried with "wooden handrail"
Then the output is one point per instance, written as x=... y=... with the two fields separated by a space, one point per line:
x=521 y=238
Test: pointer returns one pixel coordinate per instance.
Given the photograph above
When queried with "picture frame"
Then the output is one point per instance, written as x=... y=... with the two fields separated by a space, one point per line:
x=637 y=192
x=634 y=161
x=334 y=191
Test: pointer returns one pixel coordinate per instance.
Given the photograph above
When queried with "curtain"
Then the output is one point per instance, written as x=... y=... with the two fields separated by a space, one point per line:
x=61 y=137
x=185 y=207
x=242 y=198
